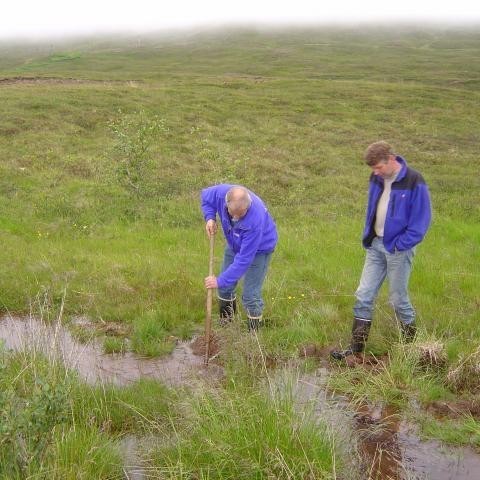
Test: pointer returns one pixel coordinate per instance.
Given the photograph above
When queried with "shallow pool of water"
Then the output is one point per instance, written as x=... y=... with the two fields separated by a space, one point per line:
x=387 y=445
x=179 y=368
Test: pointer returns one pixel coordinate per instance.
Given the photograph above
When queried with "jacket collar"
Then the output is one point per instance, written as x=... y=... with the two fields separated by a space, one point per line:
x=403 y=169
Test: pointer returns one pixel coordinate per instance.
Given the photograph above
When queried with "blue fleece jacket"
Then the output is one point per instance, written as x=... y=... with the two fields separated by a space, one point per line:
x=254 y=233
x=408 y=214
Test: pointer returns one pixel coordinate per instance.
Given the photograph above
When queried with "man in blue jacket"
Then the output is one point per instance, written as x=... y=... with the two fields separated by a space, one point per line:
x=398 y=217
x=251 y=237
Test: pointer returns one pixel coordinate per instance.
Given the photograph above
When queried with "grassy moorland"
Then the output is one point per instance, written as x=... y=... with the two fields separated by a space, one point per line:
x=288 y=114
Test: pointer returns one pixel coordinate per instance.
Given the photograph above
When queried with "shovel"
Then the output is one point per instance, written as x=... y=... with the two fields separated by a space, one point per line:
x=208 y=319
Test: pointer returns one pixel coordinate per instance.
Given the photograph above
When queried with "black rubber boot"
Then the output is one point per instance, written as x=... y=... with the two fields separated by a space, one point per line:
x=228 y=309
x=360 y=331
x=409 y=331
x=254 y=324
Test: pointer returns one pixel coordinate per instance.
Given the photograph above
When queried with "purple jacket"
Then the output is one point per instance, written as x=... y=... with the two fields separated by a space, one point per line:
x=409 y=212
x=254 y=233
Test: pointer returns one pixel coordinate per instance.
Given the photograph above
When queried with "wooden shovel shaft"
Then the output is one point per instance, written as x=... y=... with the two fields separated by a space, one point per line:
x=208 y=319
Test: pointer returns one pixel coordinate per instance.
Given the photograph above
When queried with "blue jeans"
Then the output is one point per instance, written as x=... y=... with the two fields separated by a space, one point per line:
x=252 y=283
x=380 y=264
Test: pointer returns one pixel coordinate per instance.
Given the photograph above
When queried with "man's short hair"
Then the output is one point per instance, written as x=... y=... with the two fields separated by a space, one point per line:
x=378 y=152
x=238 y=198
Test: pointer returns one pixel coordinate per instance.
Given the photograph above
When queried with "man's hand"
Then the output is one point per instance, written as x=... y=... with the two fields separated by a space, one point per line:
x=211 y=228
x=211 y=282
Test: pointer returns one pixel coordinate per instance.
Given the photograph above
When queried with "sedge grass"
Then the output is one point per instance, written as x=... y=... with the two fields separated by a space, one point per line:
x=245 y=434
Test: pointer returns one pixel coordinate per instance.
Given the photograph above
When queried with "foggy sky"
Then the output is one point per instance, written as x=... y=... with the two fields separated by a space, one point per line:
x=44 y=18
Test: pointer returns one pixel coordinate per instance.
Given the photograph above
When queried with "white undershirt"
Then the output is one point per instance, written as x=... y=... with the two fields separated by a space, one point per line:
x=382 y=205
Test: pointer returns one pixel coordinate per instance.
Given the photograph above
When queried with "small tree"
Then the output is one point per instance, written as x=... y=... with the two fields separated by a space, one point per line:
x=134 y=136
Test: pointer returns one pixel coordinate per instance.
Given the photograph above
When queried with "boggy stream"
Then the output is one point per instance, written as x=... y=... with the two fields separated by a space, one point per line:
x=384 y=446
x=179 y=368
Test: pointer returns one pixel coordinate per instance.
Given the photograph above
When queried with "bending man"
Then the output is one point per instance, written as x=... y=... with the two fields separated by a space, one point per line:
x=398 y=217
x=251 y=237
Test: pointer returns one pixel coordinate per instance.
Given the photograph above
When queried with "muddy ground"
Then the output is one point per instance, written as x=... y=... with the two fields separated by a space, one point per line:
x=386 y=446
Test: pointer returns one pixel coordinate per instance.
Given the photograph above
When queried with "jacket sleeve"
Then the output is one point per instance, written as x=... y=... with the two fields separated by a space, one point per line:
x=419 y=219
x=243 y=259
x=209 y=203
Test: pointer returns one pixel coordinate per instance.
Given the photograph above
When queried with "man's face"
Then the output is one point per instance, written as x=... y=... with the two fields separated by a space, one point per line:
x=235 y=211
x=386 y=169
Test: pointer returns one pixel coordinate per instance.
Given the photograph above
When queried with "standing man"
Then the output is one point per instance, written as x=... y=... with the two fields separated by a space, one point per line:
x=398 y=217
x=251 y=237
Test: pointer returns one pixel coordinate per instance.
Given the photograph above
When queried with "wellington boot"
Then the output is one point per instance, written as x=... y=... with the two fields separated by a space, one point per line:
x=254 y=323
x=409 y=332
x=228 y=309
x=360 y=331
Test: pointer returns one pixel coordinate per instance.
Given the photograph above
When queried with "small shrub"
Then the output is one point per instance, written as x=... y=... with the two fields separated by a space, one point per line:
x=28 y=423
x=134 y=137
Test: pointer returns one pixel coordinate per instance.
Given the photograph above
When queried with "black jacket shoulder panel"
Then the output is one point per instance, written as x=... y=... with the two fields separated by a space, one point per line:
x=410 y=181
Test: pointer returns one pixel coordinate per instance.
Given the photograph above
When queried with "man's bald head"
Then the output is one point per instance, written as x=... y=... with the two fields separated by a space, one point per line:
x=238 y=201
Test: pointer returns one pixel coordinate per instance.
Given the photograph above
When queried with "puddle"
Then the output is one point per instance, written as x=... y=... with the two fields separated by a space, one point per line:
x=432 y=460
x=395 y=450
x=313 y=399
x=387 y=446
x=377 y=441
x=133 y=465
x=181 y=367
